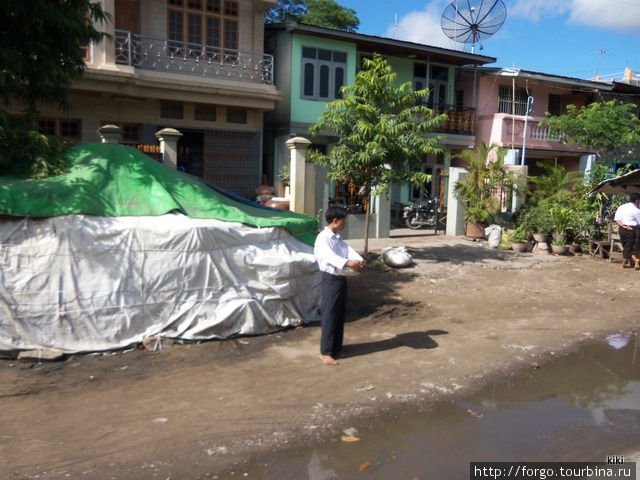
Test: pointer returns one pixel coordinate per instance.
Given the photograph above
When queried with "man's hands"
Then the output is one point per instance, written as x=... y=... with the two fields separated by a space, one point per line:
x=358 y=266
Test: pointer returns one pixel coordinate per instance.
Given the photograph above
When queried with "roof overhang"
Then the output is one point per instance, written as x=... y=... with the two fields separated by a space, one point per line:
x=546 y=78
x=387 y=46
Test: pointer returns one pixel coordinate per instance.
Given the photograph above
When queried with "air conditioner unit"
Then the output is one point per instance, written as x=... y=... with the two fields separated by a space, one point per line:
x=512 y=157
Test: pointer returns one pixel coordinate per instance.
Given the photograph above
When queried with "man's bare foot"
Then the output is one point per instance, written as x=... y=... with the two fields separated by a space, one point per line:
x=625 y=263
x=328 y=360
x=637 y=265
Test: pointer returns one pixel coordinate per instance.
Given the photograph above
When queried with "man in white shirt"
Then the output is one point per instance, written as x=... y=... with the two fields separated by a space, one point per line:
x=628 y=219
x=333 y=256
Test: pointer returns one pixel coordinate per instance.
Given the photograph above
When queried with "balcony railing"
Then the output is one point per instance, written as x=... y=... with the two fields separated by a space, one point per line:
x=161 y=54
x=460 y=120
x=541 y=132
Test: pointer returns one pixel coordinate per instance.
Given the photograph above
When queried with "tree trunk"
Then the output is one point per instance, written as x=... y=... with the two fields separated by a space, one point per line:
x=366 y=223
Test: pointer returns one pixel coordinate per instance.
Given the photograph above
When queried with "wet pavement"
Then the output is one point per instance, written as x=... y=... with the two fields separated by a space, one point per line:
x=579 y=407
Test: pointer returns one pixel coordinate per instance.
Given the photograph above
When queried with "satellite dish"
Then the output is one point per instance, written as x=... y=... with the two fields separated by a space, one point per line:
x=464 y=22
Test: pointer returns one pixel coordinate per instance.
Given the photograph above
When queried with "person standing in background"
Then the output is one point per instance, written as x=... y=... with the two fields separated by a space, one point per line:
x=628 y=219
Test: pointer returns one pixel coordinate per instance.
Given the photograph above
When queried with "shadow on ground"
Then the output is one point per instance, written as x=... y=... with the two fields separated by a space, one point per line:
x=459 y=254
x=415 y=340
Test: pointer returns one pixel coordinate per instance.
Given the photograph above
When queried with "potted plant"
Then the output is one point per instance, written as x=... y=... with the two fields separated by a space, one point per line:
x=519 y=238
x=487 y=174
x=561 y=217
x=537 y=220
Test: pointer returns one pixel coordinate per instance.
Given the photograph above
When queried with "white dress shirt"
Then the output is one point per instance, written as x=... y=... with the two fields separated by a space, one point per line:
x=332 y=253
x=628 y=214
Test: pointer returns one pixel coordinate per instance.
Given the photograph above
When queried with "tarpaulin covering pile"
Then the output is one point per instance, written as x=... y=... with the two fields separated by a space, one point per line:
x=123 y=248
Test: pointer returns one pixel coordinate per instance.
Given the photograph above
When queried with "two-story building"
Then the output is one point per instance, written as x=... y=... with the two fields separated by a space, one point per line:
x=314 y=62
x=195 y=65
x=505 y=94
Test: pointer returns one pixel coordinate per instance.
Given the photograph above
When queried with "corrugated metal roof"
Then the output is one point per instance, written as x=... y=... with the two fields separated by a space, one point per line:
x=384 y=45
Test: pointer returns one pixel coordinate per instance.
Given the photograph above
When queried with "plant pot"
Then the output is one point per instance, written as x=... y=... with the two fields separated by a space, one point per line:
x=560 y=249
x=518 y=246
x=475 y=230
x=541 y=237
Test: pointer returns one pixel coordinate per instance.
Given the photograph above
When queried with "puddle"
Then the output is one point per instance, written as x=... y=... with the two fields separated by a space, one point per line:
x=580 y=407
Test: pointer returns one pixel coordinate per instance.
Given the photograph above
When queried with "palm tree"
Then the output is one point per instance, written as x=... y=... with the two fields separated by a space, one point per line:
x=486 y=178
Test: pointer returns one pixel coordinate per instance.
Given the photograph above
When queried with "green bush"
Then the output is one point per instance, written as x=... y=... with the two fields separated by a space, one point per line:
x=26 y=153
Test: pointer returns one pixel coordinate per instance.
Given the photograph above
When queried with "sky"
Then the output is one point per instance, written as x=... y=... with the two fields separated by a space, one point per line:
x=574 y=38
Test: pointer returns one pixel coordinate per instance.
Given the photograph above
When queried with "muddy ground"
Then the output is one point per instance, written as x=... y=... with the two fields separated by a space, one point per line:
x=463 y=315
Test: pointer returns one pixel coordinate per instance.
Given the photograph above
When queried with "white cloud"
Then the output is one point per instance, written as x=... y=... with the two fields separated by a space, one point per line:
x=422 y=26
x=613 y=14
x=610 y=14
x=534 y=10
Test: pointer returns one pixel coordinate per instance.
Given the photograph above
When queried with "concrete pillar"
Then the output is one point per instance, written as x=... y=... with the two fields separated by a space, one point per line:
x=168 y=138
x=110 y=134
x=298 y=147
x=455 y=208
x=383 y=215
x=518 y=195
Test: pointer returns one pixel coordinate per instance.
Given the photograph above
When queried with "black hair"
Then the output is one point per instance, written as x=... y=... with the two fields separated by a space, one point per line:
x=634 y=197
x=335 y=212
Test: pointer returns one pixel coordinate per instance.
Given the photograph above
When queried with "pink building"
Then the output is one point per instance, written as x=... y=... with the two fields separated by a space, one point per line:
x=503 y=96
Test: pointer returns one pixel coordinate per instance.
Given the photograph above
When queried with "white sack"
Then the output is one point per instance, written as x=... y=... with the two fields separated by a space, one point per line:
x=82 y=283
x=397 y=257
x=493 y=233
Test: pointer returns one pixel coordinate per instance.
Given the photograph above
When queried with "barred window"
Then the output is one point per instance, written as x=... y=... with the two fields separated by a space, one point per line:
x=506 y=101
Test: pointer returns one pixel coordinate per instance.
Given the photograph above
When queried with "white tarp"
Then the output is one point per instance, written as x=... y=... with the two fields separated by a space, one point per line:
x=82 y=283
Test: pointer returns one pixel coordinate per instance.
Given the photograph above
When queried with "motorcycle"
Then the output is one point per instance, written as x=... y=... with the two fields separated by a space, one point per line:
x=424 y=215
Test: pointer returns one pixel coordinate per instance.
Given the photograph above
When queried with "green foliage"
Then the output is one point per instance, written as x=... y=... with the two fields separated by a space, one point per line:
x=28 y=153
x=561 y=219
x=286 y=11
x=520 y=234
x=381 y=130
x=40 y=54
x=556 y=185
x=610 y=129
x=326 y=13
x=486 y=176
x=535 y=218
x=40 y=50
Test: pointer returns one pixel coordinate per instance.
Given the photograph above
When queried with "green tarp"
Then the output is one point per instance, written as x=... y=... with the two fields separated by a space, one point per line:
x=114 y=180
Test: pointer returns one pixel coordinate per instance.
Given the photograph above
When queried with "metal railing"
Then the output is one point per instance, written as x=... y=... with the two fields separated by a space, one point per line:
x=541 y=132
x=161 y=54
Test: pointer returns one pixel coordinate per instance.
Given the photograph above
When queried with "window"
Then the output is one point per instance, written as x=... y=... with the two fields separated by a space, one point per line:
x=67 y=128
x=506 y=101
x=208 y=27
x=205 y=113
x=171 y=110
x=555 y=104
x=323 y=73
x=236 y=115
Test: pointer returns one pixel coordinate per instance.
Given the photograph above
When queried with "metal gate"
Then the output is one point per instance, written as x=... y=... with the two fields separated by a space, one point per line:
x=232 y=161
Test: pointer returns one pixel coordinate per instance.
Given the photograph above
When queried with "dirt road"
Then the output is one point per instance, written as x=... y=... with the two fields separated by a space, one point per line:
x=462 y=316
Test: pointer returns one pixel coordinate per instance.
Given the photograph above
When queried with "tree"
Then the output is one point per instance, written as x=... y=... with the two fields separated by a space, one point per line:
x=610 y=129
x=326 y=13
x=40 y=54
x=487 y=175
x=382 y=133
x=286 y=11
